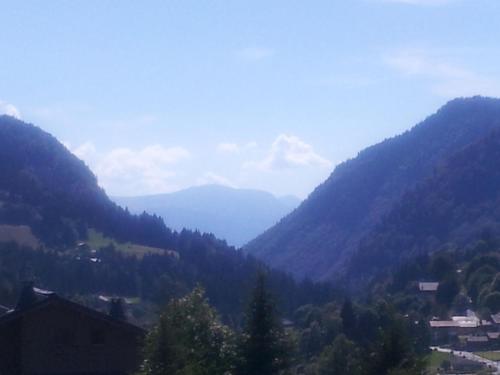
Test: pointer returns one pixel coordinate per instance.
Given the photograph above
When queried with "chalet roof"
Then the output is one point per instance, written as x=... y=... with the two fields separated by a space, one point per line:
x=454 y=323
x=426 y=286
x=496 y=318
x=53 y=299
x=477 y=339
x=493 y=335
x=443 y=324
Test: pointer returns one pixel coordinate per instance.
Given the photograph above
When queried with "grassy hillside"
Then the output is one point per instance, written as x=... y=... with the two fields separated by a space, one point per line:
x=20 y=234
x=97 y=240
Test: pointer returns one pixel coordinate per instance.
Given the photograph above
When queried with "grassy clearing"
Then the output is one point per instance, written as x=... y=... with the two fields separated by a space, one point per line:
x=20 y=234
x=435 y=359
x=97 y=240
x=492 y=356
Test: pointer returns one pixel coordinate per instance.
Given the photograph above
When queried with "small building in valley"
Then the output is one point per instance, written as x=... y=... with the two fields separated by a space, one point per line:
x=430 y=287
x=48 y=334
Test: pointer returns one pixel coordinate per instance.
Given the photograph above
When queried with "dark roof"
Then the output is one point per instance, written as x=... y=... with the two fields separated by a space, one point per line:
x=52 y=298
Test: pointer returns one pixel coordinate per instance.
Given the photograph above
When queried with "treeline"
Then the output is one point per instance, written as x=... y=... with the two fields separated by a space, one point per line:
x=226 y=275
x=351 y=340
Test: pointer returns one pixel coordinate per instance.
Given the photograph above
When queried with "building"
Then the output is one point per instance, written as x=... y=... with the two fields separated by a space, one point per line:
x=446 y=331
x=428 y=286
x=47 y=335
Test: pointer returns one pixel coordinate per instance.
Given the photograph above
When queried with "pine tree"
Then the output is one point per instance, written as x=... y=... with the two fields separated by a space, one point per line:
x=348 y=319
x=263 y=347
x=116 y=309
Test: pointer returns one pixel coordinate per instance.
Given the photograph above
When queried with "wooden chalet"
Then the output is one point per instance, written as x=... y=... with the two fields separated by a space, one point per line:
x=49 y=335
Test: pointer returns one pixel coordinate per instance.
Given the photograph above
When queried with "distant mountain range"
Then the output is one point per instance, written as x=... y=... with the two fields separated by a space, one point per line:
x=236 y=215
x=435 y=185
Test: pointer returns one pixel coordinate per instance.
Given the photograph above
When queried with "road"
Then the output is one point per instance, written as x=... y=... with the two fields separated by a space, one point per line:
x=471 y=356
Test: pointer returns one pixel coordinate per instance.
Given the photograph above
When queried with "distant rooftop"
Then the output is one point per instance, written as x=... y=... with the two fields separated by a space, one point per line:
x=428 y=286
x=496 y=318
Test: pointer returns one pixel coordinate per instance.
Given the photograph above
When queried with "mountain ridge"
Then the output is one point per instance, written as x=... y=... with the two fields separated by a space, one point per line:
x=318 y=238
x=236 y=215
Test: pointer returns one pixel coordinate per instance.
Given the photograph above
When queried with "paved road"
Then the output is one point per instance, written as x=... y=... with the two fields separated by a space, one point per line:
x=471 y=356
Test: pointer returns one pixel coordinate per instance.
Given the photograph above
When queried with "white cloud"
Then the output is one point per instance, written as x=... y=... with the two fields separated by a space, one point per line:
x=213 y=178
x=448 y=80
x=124 y=171
x=9 y=109
x=287 y=152
x=255 y=53
x=86 y=151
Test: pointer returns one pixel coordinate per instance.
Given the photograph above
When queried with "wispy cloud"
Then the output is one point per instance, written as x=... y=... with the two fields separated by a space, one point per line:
x=125 y=171
x=287 y=152
x=214 y=178
x=9 y=109
x=255 y=53
x=446 y=79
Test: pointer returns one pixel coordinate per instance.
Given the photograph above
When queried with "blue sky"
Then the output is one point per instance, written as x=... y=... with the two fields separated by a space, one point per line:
x=159 y=96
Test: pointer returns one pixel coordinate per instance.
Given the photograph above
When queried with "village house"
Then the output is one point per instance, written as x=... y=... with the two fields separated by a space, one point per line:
x=428 y=287
x=466 y=332
x=47 y=334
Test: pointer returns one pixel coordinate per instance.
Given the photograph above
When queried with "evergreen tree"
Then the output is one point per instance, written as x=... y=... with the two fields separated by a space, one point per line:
x=27 y=297
x=116 y=309
x=348 y=318
x=263 y=347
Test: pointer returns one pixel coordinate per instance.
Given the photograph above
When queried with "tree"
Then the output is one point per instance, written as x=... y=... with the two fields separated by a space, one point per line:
x=189 y=340
x=116 y=309
x=342 y=357
x=263 y=346
x=492 y=301
x=348 y=318
x=447 y=291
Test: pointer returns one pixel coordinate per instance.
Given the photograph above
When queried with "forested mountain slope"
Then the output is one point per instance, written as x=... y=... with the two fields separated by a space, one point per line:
x=51 y=200
x=46 y=187
x=318 y=239
x=457 y=206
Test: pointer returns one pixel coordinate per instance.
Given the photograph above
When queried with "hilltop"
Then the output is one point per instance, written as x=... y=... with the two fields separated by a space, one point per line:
x=236 y=215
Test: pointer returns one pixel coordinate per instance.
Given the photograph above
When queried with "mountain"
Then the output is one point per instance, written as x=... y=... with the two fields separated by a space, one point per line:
x=455 y=207
x=49 y=189
x=236 y=215
x=319 y=238
x=59 y=228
